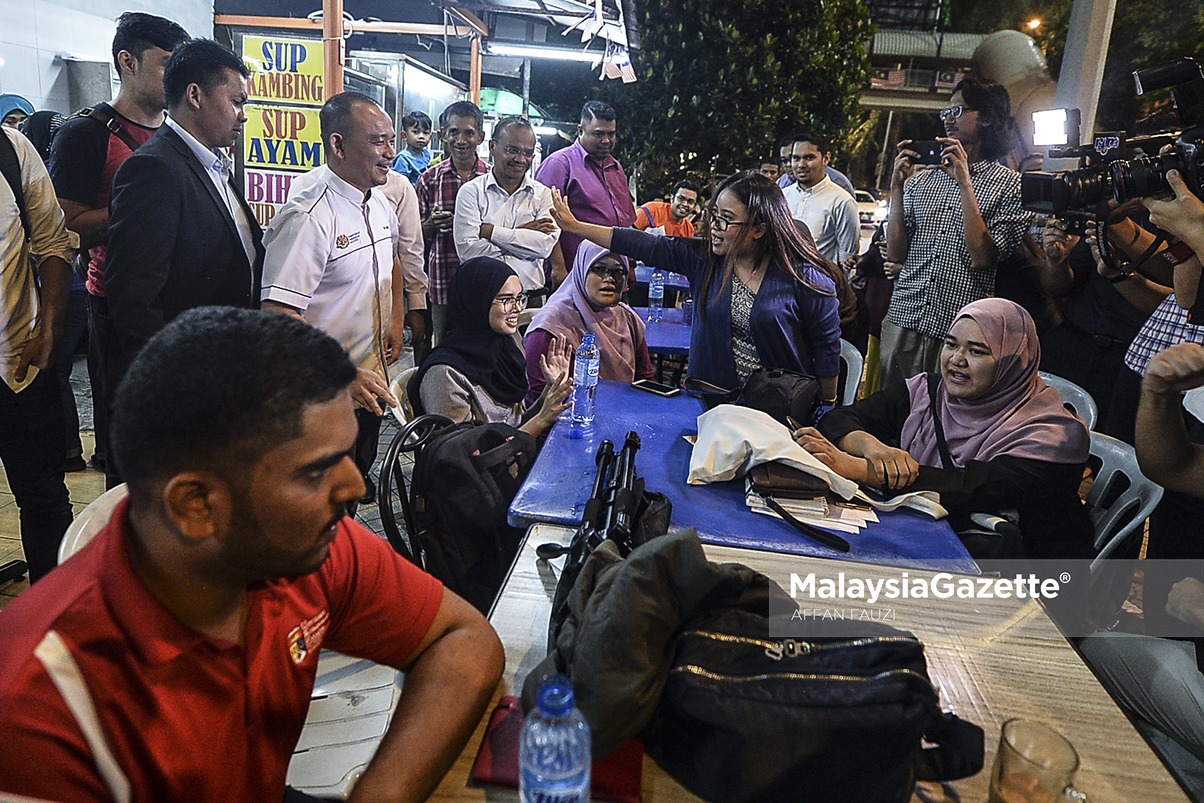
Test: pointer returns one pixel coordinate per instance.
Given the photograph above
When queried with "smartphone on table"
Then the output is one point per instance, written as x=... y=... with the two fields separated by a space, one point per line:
x=659 y=388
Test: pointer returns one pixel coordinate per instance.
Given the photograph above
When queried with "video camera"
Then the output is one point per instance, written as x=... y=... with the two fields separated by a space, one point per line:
x=1107 y=168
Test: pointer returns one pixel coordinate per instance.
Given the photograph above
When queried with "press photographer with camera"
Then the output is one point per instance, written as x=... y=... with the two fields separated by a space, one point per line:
x=1183 y=216
x=1103 y=309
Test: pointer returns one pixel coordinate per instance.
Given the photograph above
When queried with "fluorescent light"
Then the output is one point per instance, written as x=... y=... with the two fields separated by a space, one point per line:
x=546 y=130
x=1049 y=128
x=537 y=52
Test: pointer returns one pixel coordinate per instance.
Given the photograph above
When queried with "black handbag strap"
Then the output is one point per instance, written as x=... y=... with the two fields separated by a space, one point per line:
x=958 y=750
x=934 y=381
x=10 y=166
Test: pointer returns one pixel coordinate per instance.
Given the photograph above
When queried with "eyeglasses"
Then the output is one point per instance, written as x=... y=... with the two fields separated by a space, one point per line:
x=515 y=153
x=681 y=199
x=953 y=112
x=618 y=274
x=722 y=223
x=516 y=303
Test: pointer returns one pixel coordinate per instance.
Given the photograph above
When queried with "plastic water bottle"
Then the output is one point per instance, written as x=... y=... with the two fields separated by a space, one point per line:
x=554 y=751
x=585 y=381
x=656 y=294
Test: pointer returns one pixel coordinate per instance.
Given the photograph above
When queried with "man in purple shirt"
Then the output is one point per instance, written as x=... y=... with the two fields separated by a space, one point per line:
x=591 y=180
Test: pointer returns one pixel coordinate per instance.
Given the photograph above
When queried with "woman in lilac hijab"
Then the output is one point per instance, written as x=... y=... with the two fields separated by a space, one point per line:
x=589 y=300
x=1010 y=447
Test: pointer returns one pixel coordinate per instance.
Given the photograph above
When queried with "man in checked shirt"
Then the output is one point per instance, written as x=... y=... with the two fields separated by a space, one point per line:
x=462 y=130
x=950 y=225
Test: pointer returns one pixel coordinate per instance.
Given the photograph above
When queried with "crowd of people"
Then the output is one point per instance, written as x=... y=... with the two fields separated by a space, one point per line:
x=240 y=375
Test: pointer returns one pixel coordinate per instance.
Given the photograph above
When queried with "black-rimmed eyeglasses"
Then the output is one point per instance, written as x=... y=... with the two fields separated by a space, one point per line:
x=721 y=223
x=953 y=112
x=618 y=274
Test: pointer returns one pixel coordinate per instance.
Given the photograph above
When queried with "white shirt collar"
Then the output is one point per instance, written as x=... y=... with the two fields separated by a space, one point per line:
x=210 y=158
x=348 y=191
x=491 y=181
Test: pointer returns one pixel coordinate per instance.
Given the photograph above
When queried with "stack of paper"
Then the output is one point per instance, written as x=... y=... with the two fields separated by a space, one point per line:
x=826 y=512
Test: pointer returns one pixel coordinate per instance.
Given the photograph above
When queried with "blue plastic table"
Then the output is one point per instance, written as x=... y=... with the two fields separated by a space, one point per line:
x=560 y=482
x=673 y=281
x=670 y=335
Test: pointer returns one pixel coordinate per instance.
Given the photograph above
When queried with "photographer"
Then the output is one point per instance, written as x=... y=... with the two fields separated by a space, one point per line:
x=950 y=225
x=1103 y=309
x=1183 y=216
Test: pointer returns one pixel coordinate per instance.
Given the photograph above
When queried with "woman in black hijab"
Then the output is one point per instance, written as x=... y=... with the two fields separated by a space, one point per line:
x=478 y=371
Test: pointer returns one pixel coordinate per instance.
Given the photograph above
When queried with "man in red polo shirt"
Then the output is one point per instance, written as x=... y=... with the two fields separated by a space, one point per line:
x=173 y=657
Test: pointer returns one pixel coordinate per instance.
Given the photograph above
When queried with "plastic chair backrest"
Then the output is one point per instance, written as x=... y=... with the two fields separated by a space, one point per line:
x=404 y=411
x=392 y=487
x=854 y=368
x=1078 y=400
x=1116 y=514
x=90 y=521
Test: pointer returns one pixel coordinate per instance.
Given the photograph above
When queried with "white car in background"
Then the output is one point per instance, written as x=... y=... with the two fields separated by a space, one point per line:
x=870 y=210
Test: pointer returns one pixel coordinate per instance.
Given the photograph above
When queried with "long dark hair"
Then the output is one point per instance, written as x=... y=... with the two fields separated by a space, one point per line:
x=784 y=245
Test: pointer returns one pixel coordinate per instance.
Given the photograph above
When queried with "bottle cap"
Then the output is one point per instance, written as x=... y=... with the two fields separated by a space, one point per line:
x=555 y=697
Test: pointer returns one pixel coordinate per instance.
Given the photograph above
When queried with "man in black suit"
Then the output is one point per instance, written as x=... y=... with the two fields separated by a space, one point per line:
x=180 y=233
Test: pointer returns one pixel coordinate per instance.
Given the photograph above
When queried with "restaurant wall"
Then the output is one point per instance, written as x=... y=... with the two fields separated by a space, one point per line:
x=54 y=53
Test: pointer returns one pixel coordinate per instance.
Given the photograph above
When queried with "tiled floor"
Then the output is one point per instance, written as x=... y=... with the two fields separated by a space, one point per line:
x=84 y=487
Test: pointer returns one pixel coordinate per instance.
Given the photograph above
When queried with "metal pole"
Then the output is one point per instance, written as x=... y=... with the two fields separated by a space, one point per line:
x=886 y=149
x=474 y=72
x=1082 y=72
x=332 y=47
x=526 y=87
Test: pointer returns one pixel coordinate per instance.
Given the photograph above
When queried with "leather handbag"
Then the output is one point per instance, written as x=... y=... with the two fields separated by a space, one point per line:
x=784 y=395
x=673 y=649
x=785 y=482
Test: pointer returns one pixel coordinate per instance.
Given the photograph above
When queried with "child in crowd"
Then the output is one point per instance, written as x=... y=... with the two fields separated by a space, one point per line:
x=416 y=156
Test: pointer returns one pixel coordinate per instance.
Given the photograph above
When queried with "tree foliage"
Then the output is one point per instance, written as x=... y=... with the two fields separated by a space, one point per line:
x=721 y=80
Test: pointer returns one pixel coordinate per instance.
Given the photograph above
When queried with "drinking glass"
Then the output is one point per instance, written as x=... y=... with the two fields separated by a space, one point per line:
x=1034 y=764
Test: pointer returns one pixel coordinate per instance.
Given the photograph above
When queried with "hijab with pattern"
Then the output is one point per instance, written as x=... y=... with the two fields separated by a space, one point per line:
x=487 y=359
x=1018 y=416
x=569 y=313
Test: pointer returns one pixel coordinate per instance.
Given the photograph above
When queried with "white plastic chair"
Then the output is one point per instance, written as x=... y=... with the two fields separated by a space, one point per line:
x=1118 y=515
x=854 y=365
x=1078 y=400
x=350 y=707
x=90 y=521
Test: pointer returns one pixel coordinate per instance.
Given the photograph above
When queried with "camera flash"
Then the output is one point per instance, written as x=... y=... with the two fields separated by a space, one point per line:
x=1049 y=128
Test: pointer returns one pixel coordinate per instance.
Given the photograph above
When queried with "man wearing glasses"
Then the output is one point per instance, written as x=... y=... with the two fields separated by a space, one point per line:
x=504 y=214
x=329 y=257
x=673 y=218
x=591 y=179
x=950 y=225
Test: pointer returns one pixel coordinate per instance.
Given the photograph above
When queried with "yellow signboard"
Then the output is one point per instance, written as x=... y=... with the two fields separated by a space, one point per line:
x=284 y=70
x=281 y=138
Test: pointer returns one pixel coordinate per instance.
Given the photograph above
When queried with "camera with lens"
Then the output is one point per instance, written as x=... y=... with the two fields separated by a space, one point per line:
x=1146 y=175
x=1107 y=167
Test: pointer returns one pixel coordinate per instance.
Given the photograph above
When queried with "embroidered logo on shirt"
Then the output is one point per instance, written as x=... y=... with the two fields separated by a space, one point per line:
x=307 y=636
x=342 y=241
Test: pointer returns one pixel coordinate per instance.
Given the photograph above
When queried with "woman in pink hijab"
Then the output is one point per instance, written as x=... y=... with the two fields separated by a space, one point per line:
x=589 y=300
x=986 y=432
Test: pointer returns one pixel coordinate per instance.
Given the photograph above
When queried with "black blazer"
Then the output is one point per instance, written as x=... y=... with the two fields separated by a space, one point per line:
x=172 y=244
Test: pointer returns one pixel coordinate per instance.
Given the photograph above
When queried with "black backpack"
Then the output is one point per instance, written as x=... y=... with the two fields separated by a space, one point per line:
x=10 y=168
x=465 y=477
